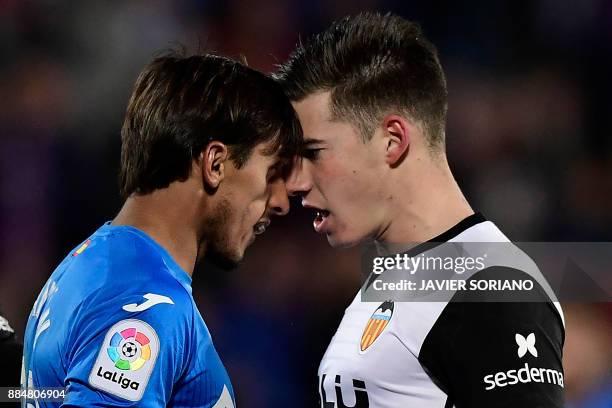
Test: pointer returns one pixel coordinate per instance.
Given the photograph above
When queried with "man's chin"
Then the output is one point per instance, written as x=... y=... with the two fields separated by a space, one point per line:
x=223 y=261
x=339 y=242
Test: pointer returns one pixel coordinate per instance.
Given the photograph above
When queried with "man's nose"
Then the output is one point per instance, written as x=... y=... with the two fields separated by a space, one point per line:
x=298 y=182
x=279 y=201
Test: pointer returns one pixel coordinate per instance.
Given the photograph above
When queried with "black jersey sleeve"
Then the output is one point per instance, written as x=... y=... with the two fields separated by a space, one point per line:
x=11 y=350
x=486 y=350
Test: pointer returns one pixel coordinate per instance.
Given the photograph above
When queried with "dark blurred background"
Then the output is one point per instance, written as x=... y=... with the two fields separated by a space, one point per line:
x=528 y=138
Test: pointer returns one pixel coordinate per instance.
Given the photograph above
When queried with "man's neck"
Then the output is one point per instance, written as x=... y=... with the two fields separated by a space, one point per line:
x=158 y=215
x=429 y=205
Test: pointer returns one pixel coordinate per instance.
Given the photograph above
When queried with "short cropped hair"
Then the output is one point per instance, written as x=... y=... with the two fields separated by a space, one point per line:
x=373 y=65
x=181 y=103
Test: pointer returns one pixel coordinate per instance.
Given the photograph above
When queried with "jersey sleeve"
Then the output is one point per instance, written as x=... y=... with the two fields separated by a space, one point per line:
x=129 y=352
x=11 y=350
x=492 y=352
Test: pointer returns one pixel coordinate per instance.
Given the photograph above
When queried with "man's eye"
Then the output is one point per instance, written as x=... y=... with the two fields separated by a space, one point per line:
x=311 y=154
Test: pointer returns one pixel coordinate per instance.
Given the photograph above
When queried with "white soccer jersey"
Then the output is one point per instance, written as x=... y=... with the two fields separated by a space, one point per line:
x=449 y=354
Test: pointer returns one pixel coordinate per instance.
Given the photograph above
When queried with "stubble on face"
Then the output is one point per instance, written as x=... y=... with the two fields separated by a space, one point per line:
x=219 y=249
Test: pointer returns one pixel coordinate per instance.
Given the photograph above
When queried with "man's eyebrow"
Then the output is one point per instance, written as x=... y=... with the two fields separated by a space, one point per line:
x=309 y=141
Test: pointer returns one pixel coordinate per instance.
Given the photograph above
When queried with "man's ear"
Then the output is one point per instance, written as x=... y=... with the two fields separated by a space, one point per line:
x=214 y=158
x=397 y=134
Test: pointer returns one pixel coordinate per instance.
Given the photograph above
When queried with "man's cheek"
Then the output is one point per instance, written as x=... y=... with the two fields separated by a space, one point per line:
x=326 y=174
x=253 y=212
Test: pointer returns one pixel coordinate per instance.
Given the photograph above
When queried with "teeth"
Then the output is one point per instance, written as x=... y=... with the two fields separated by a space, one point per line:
x=321 y=214
x=260 y=228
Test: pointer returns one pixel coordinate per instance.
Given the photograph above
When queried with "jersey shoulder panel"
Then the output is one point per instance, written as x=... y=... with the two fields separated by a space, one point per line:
x=131 y=335
x=485 y=351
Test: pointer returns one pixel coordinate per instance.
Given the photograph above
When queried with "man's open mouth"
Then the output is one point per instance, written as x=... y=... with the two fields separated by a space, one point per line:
x=260 y=227
x=320 y=220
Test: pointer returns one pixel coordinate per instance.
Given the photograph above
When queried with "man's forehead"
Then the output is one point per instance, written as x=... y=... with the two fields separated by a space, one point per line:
x=313 y=112
x=268 y=151
x=269 y=155
x=314 y=108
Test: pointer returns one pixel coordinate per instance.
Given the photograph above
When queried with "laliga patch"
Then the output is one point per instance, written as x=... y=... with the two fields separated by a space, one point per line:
x=376 y=324
x=126 y=359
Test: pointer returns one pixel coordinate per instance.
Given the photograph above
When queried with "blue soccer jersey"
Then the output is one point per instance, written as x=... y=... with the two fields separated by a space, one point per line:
x=116 y=324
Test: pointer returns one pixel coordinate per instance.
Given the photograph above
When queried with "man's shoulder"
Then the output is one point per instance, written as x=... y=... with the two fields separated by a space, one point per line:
x=164 y=300
x=120 y=268
x=118 y=291
x=481 y=338
x=114 y=249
